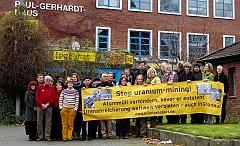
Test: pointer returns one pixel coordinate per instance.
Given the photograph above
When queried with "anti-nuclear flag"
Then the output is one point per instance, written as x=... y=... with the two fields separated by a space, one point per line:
x=152 y=100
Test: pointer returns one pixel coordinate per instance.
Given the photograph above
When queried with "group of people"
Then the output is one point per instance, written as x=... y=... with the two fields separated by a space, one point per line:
x=54 y=111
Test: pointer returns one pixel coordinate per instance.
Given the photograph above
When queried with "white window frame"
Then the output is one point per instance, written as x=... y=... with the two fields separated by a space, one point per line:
x=109 y=36
x=106 y=7
x=224 y=37
x=150 y=44
x=180 y=43
x=214 y=16
x=139 y=10
x=180 y=9
x=197 y=34
x=196 y=14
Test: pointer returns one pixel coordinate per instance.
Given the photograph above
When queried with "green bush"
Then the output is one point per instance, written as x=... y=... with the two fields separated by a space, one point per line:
x=7 y=110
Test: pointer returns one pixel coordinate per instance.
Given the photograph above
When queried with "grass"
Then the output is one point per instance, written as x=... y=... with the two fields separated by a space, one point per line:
x=220 y=131
x=223 y=131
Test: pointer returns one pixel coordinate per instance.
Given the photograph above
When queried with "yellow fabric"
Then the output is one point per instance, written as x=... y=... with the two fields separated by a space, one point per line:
x=153 y=100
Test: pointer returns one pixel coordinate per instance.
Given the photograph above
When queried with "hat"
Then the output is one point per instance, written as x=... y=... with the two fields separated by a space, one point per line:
x=96 y=79
x=196 y=65
x=86 y=78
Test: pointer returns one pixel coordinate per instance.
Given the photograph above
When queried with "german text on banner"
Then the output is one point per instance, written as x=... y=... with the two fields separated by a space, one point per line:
x=152 y=100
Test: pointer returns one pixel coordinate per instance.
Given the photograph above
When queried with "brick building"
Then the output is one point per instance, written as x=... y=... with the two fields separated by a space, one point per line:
x=163 y=29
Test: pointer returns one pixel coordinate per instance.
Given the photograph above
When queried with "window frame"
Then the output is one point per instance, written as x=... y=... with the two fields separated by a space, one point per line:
x=174 y=13
x=150 y=42
x=109 y=38
x=224 y=39
x=108 y=7
x=140 y=10
x=197 y=34
x=159 y=43
x=198 y=15
x=222 y=17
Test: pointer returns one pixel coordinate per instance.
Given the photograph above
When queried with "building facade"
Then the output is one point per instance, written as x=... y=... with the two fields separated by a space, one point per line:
x=162 y=29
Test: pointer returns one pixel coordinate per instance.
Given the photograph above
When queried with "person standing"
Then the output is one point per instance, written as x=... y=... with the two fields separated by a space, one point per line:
x=129 y=76
x=68 y=104
x=56 y=117
x=77 y=84
x=152 y=79
x=199 y=119
x=170 y=77
x=121 y=124
x=187 y=75
x=221 y=77
x=86 y=84
x=45 y=97
x=141 y=123
x=106 y=125
x=208 y=76
x=31 y=111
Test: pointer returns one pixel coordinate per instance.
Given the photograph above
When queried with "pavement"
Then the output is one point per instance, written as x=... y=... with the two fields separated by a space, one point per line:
x=15 y=136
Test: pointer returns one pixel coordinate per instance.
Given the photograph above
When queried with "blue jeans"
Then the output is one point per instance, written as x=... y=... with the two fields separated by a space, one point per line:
x=121 y=126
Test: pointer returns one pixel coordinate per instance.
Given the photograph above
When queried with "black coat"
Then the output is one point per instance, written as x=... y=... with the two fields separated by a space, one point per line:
x=198 y=75
x=184 y=77
x=223 y=79
x=30 y=102
x=140 y=72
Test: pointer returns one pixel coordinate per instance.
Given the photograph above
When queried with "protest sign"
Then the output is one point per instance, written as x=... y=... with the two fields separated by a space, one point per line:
x=152 y=100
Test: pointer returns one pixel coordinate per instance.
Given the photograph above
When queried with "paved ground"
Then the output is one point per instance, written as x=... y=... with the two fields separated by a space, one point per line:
x=15 y=136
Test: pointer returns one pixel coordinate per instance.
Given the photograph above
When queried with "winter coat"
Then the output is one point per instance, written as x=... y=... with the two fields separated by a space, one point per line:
x=223 y=79
x=140 y=72
x=153 y=80
x=184 y=77
x=77 y=85
x=208 y=76
x=171 y=76
x=160 y=75
x=198 y=75
x=30 y=102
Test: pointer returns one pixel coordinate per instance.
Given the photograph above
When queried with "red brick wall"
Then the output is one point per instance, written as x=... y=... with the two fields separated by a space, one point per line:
x=83 y=24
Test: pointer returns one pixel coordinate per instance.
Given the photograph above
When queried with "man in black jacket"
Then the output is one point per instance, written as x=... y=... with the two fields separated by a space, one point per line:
x=141 y=71
x=199 y=119
x=221 y=77
x=188 y=76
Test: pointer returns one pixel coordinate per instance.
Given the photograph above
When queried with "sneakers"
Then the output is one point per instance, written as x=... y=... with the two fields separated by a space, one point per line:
x=117 y=137
x=110 y=137
x=64 y=140
x=125 y=137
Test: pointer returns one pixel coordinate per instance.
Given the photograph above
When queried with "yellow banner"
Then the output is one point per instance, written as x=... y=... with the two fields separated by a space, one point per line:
x=81 y=56
x=152 y=100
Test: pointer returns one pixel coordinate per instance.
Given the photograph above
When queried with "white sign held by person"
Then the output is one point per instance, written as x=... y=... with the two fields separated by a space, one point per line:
x=34 y=7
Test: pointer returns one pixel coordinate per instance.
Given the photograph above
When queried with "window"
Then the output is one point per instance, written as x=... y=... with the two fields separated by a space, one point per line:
x=110 y=4
x=228 y=40
x=197 y=8
x=169 y=6
x=169 y=45
x=224 y=9
x=197 y=45
x=103 y=38
x=140 y=42
x=140 y=5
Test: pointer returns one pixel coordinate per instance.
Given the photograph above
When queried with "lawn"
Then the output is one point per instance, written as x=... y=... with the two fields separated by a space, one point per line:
x=216 y=131
x=220 y=131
